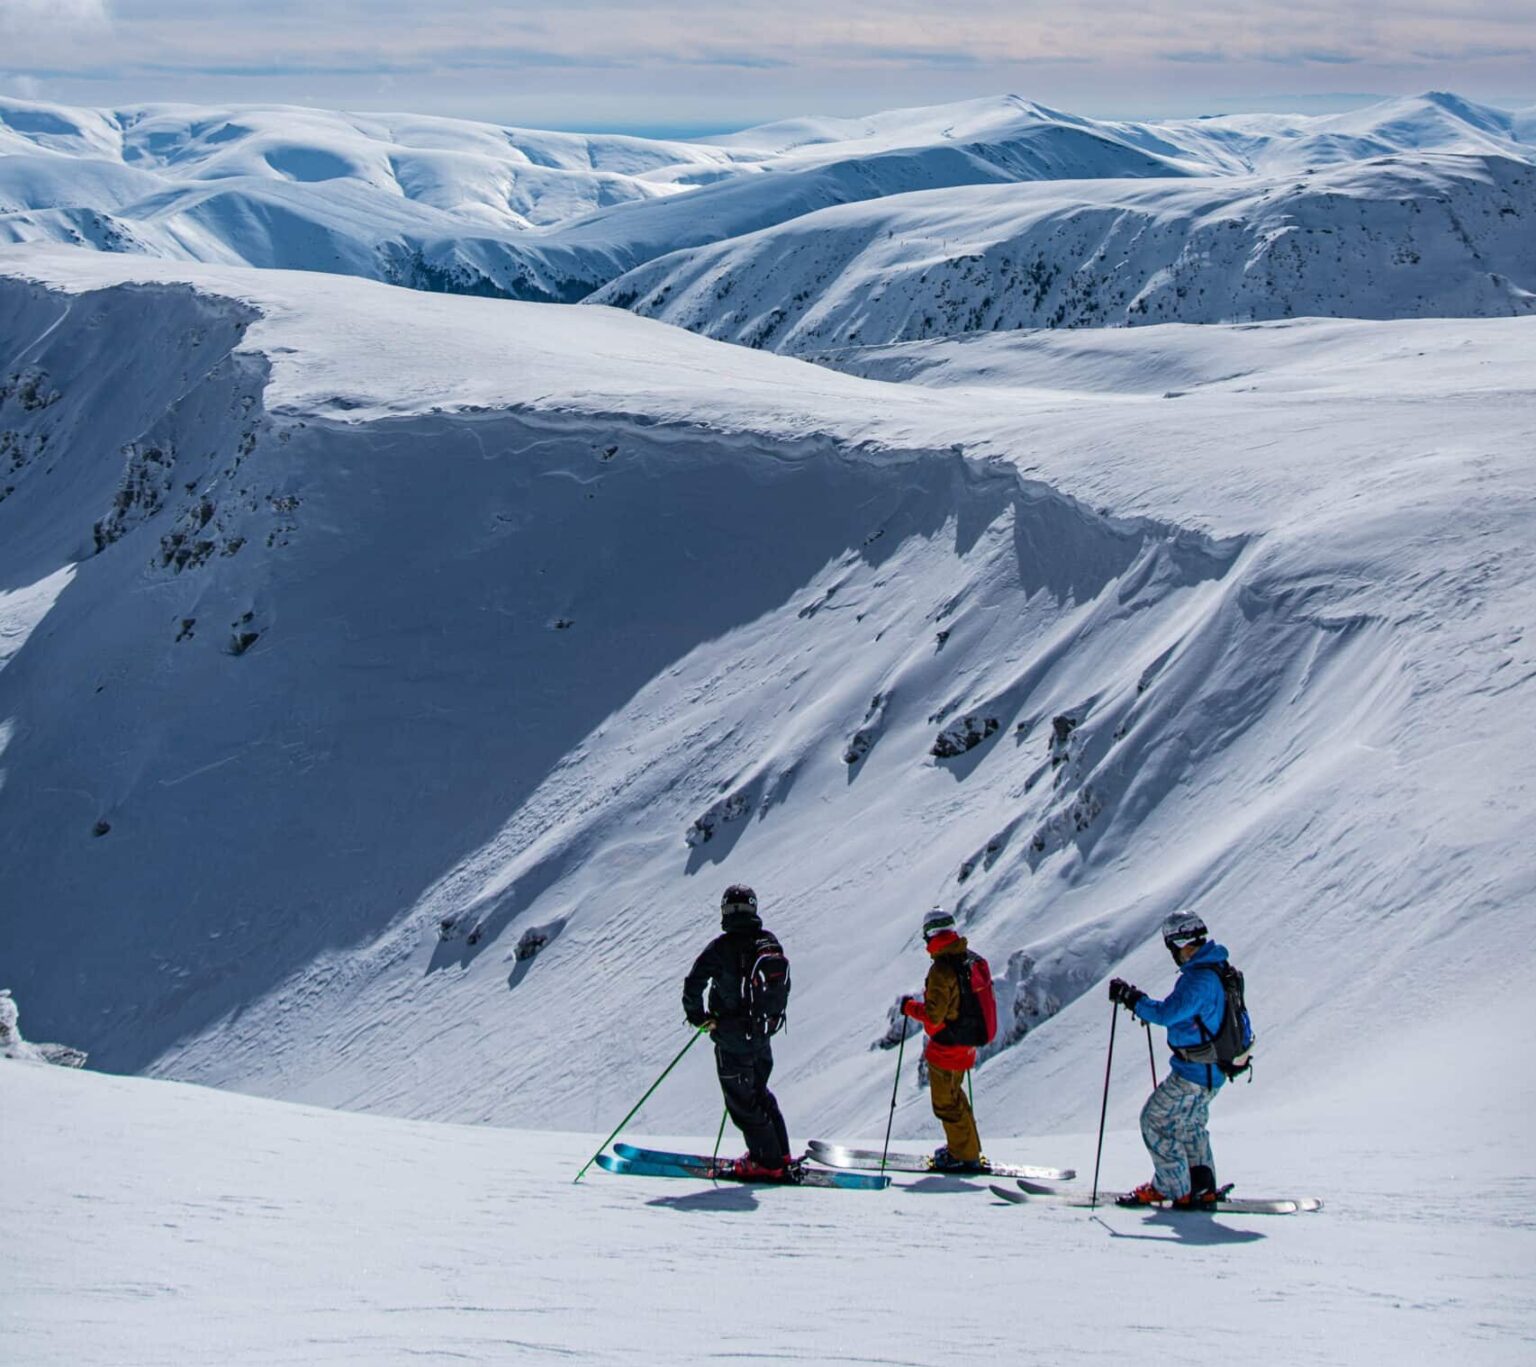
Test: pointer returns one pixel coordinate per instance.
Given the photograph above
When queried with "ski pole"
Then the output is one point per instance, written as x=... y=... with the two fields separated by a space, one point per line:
x=1151 y=1057
x=1093 y=1201
x=692 y=1040
x=895 y=1087
x=719 y=1135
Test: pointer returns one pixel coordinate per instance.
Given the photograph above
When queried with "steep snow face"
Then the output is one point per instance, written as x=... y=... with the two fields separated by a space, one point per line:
x=388 y=744
x=1433 y=236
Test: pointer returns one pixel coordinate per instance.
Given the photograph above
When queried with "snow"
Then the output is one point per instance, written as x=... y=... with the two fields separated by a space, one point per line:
x=390 y=682
x=433 y=619
x=256 y=1232
x=477 y=208
x=1426 y=236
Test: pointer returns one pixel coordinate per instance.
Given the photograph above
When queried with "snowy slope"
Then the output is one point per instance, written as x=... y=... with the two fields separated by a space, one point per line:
x=434 y=203
x=441 y=204
x=249 y=1232
x=392 y=682
x=1392 y=238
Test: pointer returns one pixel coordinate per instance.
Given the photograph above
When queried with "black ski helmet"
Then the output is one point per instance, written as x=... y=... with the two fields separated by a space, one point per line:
x=738 y=897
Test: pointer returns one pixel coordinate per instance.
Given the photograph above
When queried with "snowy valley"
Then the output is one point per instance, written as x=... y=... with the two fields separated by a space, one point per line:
x=391 y=679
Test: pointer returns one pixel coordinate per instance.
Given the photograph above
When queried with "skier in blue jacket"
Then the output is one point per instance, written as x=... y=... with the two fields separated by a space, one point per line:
x=1174 y=1121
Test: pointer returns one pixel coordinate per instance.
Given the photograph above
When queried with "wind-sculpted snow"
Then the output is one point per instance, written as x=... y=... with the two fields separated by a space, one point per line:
x=1385 y=239
x=393 y=682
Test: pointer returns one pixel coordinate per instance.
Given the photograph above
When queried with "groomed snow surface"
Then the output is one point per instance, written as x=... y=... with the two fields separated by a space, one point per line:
x=151 y=1222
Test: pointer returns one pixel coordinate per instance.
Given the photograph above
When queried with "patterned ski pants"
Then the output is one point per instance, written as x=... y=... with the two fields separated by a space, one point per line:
x=1173 y=1125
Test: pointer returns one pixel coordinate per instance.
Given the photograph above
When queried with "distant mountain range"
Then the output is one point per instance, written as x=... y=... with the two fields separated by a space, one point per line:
x=1415 y=207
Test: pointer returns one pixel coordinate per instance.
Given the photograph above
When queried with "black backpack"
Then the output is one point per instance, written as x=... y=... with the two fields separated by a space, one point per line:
x=1230 y=1048
x=764 y=988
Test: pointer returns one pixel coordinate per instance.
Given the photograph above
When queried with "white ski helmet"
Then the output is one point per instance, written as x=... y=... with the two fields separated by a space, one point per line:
x=1183 y=928
x=936 y=921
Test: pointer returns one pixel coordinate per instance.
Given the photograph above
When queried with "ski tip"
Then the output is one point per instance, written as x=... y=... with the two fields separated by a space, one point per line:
x=1014 y=1198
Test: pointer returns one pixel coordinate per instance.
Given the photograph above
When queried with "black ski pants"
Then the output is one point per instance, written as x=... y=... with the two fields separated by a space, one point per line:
x=744 y=1067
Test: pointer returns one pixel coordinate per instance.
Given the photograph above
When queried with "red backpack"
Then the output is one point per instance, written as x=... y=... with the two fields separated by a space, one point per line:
x=977 y=1022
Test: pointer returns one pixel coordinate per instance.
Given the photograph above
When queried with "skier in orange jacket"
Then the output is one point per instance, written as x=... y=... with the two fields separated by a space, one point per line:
x=936 y=1010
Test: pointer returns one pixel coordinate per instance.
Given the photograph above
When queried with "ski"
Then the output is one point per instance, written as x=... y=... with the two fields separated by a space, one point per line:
x=1233 y=1205
x=721 y=1171
x=840 y=1156
x=636 y=1154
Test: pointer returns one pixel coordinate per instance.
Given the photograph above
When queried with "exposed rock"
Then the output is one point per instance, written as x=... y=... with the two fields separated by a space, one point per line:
x=728 y=809
x=965 y=734
x=13 y=1046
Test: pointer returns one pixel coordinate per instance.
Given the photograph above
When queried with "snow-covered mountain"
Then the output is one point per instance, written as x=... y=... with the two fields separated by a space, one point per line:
x=474 y=208
x=391 y=682
x=435 y=203
x=1434 y=235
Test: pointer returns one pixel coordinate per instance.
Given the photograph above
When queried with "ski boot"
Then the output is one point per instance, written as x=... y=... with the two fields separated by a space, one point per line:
x=1146 y=1194
x=1204 y=1194
x=944 y=1161
x=748 y=1169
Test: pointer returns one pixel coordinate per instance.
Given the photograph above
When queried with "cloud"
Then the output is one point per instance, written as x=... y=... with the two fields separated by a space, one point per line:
x=1303 y=56
x=746 y=60
x=369 y=36
x=677 y=59
x=41 y=20
x=27 y=87
x=906 y=56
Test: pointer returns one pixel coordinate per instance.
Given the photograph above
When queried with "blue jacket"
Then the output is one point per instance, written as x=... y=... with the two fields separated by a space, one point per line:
x=1197 y=994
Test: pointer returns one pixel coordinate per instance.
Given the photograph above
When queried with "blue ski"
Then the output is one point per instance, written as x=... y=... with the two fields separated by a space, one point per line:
x=702 y=1169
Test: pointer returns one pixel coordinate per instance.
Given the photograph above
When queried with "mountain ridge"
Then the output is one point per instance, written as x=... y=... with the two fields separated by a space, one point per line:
x=454 y=206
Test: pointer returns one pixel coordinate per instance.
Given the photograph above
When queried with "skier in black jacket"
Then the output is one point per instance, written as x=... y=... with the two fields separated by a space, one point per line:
x=743 y=1051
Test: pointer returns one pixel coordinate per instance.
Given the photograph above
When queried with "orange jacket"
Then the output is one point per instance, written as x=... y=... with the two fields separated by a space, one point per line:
x=940 y=1003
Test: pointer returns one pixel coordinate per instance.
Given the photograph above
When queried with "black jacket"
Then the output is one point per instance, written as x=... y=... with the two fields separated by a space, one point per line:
x=726 y=960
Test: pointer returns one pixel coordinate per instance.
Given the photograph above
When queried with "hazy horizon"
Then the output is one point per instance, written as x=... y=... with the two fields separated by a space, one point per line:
x=694 y=67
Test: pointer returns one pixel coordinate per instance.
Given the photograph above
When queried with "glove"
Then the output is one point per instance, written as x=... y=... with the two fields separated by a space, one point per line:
x=703 y=1022
x=1123 y=994
x=911 y=1006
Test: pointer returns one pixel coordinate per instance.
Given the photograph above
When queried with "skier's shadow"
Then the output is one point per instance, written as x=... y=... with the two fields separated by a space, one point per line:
x=1188 y=1229
x=928 y=1185
x=732 y=1198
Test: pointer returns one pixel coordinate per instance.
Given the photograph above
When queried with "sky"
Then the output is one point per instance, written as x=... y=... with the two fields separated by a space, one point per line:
x=680 y=65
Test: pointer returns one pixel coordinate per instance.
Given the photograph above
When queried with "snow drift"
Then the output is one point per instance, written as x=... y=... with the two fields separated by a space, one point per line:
x=391 y=684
